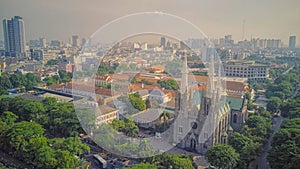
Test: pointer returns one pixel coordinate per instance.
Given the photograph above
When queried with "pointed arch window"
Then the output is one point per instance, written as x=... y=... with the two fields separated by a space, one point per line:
x=235 y=118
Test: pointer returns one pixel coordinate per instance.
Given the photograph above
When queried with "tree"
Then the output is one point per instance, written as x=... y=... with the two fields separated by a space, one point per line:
x=246 y=148
x=131 y=129
x=34 y=144
x=262 y=112
x=222 y=156
x=50 y=81
x=250 y=105
x=285 y=151
x=32 y=80
x=169 y=84
x=104 y=69
x=175 y=161
x=32 y=110
x=5 y=82
x=118 y=125
x=8 y=117
x=291 y=123
x=66 y=160
x=74 y=146
x=257 y=128
x=291 y=108
x=142 y=166
x=165 y=115
x=273 y=104
x=248 y=96
x=17 y=137
x=45 y=158
x=65 y=76
x=137 y=101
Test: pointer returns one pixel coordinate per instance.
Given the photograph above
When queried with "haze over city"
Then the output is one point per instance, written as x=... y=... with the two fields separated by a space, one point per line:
x=157 y=84
x=61 y=19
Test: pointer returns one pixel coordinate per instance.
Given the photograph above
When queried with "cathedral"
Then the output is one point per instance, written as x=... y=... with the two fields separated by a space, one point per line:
x=203 y=115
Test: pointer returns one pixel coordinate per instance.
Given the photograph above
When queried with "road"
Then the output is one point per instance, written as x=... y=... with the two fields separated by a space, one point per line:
x=262 y=161
x=287 y=71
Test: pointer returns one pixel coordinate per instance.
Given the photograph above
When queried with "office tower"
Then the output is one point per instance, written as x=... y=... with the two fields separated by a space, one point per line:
x=75 y=41
x=14 y=36
x=163 y=41
x=83 y=41
x=56 y=43
x=43 y=42
x=292 y=42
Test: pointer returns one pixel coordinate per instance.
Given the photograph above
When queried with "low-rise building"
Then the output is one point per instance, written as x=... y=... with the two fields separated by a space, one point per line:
x=247 y=69
x=106 y=114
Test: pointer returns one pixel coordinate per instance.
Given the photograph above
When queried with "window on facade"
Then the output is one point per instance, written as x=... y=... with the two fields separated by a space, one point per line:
x=180 y=129
x=234 y=118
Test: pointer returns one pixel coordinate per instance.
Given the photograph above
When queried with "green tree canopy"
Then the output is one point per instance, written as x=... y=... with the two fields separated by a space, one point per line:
x=8 y=117
x=274 y=104
x=137 y=101
x=169 y=84
x=19 y=134
x=222 y=156
x=142 y=166
x=285 y=152
x=246 y=148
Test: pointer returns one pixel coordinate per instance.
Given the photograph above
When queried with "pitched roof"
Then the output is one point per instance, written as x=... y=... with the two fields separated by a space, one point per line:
x=56 y=87
x=236 y=86
x=88 y=87
x=235 y=103
x=104 y=109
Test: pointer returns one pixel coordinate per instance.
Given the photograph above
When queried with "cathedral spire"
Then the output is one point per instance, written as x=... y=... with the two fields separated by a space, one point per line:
x=184 y=89
x=184 y=78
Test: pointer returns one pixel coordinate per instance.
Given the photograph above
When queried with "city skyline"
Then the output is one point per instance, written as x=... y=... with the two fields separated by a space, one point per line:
x=254 y=19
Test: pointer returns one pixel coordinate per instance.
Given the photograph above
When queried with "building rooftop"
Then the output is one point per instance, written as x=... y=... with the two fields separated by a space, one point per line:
x=147 y=116
x=235 y=103
x=104 y=109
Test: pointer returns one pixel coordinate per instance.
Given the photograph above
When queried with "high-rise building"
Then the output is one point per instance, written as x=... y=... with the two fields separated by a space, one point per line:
x=43 y=42
x=75 y=41
x=83 y=41
x=163 y=41
x=292 y=42
x=14 y=36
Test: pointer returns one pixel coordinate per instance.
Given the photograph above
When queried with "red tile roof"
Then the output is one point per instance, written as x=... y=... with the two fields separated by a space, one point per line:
x=87 y=87
x=56 y=87
x=236 y=86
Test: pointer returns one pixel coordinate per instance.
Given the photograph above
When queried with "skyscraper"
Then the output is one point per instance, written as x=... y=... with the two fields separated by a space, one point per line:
x=14 y=36
x=292 y=42
x=75 y=41
x=163 y=41
x=43 y=42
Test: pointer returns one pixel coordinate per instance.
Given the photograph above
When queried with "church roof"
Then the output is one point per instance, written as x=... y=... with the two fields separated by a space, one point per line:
x=235 y=103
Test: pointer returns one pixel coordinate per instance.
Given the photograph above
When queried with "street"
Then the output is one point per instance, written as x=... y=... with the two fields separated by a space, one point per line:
x=262 y=161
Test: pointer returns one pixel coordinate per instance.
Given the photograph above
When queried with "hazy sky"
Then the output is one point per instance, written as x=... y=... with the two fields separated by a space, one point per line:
x=59 y=19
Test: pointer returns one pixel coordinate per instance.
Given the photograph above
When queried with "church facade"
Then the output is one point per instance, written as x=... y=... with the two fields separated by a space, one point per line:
x=203 y=115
